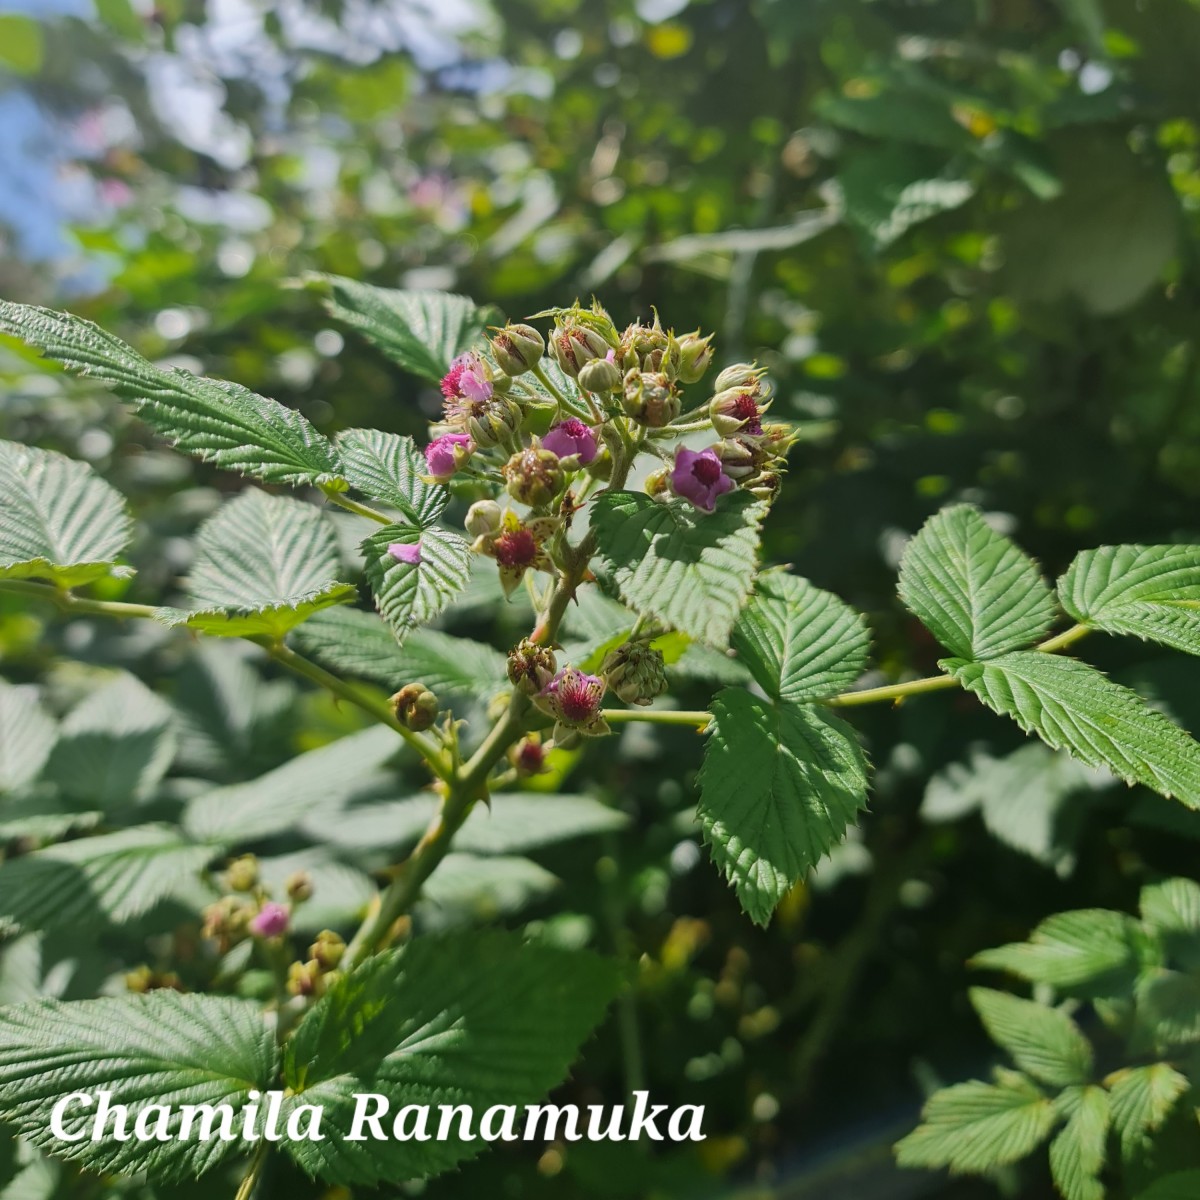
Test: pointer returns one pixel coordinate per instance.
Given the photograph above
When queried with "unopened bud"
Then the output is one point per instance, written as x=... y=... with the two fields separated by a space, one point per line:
x=695 y=356
x=600 y=375
x=738 y=375
x=777 y=439
x=483 y=517
x=635 y=672
x=533 y=476
x=305 y=979
x=765 y=485
x=518 y=348
x=739 y=458
x=415 y=706
x=327 y=950
x=242 y=874
x=528 y=756
x=494 y=423
x=657 y=482
x=650 y=399
x=576 y=344
x=299 y=887
x=530 y=666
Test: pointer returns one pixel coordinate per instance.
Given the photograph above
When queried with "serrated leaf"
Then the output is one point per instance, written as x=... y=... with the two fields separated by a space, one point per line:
x=319 y=781
x=1168 y=1006
x=1044 y=1042
x=421 y=331
x=1077 y=1153
x=412 y=594
x=1172 y=906
x=358 y=643
x=1094 y=948
x=263 y=565
x=1142 y=1098
x=388 y=467
x=975 y=1127
x=799 y=642
x=478 y=1019
x=690 y=569
x=779 y=785
x=58 y=519
x=158 y=1049
x=1150 y=592
x=110 y=879
x=27 y=735
x=1071 y=706
x=218 y=422
x=972 y=588
x=115 y=747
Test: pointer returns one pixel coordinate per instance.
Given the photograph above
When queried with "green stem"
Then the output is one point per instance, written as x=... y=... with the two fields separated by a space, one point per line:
x=1067 y=638
x=68 y=603
x=362 y=510
x=893 y=691
x=250 y=1182
x=683 y=427
x=540 y=374
x=656 y=716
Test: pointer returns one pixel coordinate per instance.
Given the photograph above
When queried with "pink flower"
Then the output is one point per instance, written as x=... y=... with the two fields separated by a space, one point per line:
x=699 y=478
x=573 y=698
x=446 y=454
x=406 y=552
x=467 y=380
x=569 y=437
x=271 y=920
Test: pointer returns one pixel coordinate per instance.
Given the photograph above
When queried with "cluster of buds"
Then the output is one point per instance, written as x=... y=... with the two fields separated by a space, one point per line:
x=314 y=977
x=635 y=672
x=248 y=910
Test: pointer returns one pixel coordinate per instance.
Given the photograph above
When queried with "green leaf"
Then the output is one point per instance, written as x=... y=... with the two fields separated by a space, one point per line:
x=976 y=1127
x=469 y=890
x=478 y=1019
x=320 y=781
x=1168 y=1006
x=115 y=747
x=1089 y=947
x=158 y=1049
x=1044 y=1042
x=21 y=45
x=358 y=643
x=421 y=331
x=27 y=736
x=517 y=823
x=218 y=422
x=779 y=785
x=412 y=594
x=1150 y=592
x=1142 y=1099
x=58 y=519
x=263 y=564
x=690 y=569
x=1077 y=1153
x=388 y=467
x=1071 y=706
x=972 y=588
x=1172 y=906
x=110 y=879
x=1179 y=1185
x=799 y=642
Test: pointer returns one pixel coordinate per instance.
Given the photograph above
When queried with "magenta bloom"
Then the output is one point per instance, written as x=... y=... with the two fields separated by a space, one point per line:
x=569 y=437
x=271 y=921
x=406 y=552
x=445 y=454
x=573 y=698
x=699 y=478
x=467 y=380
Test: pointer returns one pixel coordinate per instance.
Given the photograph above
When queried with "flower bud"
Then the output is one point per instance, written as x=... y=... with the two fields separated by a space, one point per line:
x=601 y=374
x=226 y=919
x=657 y=482
x=446 y=455
x=533 y=476
x=574 y=698
x=483 y=517
x=635 y=672
x=777 y=439
x=299 y=887
x=695 y=356
x=737 y=410
x=271 y=921
x=739 y=375
x=494 y=423
x=144 y=979
x=528 y=756
x=576 y=344
x=649 y=348
x=649 y=399
x=530 y=666
x=415 y=706
x=242 y=874
x=739 y=458
x=572 y=439
x=765 y=485
x=305 y=979
x=327 y=950
x=518 y=348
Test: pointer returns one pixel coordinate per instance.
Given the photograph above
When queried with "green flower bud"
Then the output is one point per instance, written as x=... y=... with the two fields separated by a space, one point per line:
x=299 y=887
x=765 y=485
x=242 y=874
x=740 y=458
x=576 y=344
x=327 y=950
x=533 y=476
x=494 y=423
x=739 y=375
x=635 y=672
x=695 y=356
x=650 y=399
x=415 y=706
x=658 y=482
x=518 y=348
x=531 y=666
x=306 y=979
x=483 y=517
x=777 y=439
x=600 y=375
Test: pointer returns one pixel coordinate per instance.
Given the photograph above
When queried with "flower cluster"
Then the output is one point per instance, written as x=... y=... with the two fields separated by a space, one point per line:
x=248 y=909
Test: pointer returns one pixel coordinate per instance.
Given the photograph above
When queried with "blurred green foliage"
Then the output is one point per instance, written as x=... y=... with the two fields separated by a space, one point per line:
x=962 y=234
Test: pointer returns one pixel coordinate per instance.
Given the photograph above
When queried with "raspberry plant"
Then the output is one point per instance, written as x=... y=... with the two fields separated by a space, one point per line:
x=588 y=467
